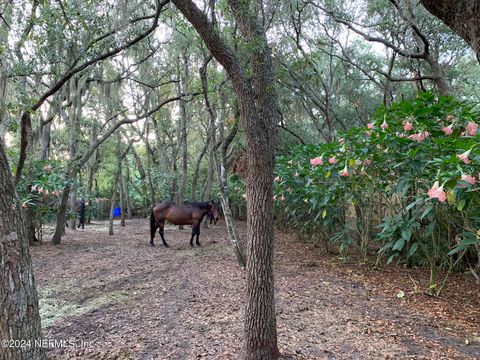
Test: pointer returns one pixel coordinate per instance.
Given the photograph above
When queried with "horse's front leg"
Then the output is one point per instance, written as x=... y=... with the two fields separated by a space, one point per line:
x=195 y=231
x=193 y=234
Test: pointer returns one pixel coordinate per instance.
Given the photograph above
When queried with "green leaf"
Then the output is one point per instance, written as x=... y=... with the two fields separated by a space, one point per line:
x=399 y=244
x=413 y=249
x=411 y=205
x=461 y=204
x=390 y=259
x=406 y=234
x=426 y=211
x=469 y=239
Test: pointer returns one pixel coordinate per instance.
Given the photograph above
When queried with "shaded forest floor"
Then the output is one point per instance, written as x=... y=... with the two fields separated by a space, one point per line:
x=126 y=300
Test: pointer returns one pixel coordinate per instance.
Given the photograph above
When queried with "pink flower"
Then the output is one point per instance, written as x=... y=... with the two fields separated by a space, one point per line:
x=448 y=129
x=317 y=161
x=367 y=162
x=437 y=192
x=408 y=126
x=417 y=137
x=277 y=179
x=332 y=160
x=384 y=125
x=471 y=128
x=282 y=198
x=344 y=172
x=468 y=178
x=464 y=157
x=297 y=174
x=370 y=126
x=420 y=136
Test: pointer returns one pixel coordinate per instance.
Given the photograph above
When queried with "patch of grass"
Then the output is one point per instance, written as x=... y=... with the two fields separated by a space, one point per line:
x=55 y=304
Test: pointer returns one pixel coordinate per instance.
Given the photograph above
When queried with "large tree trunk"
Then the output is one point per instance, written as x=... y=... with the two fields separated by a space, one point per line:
x=260 y=117
x=462 y=16
x=19 y=314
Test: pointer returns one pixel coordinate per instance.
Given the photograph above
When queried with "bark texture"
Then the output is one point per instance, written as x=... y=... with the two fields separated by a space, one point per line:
x=258 y=109
x=19 y=314
x=462 y=16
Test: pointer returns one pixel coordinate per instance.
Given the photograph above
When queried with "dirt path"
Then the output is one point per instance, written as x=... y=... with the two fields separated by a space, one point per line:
x=125 y=300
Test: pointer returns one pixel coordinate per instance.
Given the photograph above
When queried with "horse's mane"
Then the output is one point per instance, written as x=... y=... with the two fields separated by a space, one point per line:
x=199 y=205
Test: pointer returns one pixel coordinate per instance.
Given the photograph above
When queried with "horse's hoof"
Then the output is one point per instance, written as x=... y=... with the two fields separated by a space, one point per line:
x=152 y=244
x=166 y=245
x=198 y=244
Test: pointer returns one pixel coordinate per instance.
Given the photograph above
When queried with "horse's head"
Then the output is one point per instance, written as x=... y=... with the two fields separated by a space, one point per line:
x=213 y=213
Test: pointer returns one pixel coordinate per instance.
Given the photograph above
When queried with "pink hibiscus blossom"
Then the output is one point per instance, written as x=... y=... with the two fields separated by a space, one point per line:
x=464 y=157
x=407 y=126
x=471 y=128
x=468 y=178
x=448 y=130
x=419 y=137
x=384 y=125
x=332 y=160
x=317 y=161
x=370 y=126
x=436 y=192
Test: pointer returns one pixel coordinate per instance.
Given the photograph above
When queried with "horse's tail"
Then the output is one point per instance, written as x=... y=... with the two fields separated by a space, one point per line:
x=153 y=226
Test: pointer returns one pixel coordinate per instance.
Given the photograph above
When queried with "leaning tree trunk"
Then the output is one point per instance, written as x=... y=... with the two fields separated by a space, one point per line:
x=227 y=214
x=260 y=116
x=19 y=313
x=61 y=216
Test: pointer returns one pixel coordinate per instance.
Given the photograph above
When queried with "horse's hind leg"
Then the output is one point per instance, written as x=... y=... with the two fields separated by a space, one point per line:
x=153 y=227
x=152 y=234
x=160 y=231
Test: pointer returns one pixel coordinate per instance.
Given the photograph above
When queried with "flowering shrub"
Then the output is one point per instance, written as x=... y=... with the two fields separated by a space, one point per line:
x=41 y=190
x=409 y=179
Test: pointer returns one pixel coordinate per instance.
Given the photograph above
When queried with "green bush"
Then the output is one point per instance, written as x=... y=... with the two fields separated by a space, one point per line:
x=409 y=180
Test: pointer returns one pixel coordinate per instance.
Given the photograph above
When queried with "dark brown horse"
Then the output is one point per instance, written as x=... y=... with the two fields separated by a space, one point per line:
x=189 y=214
